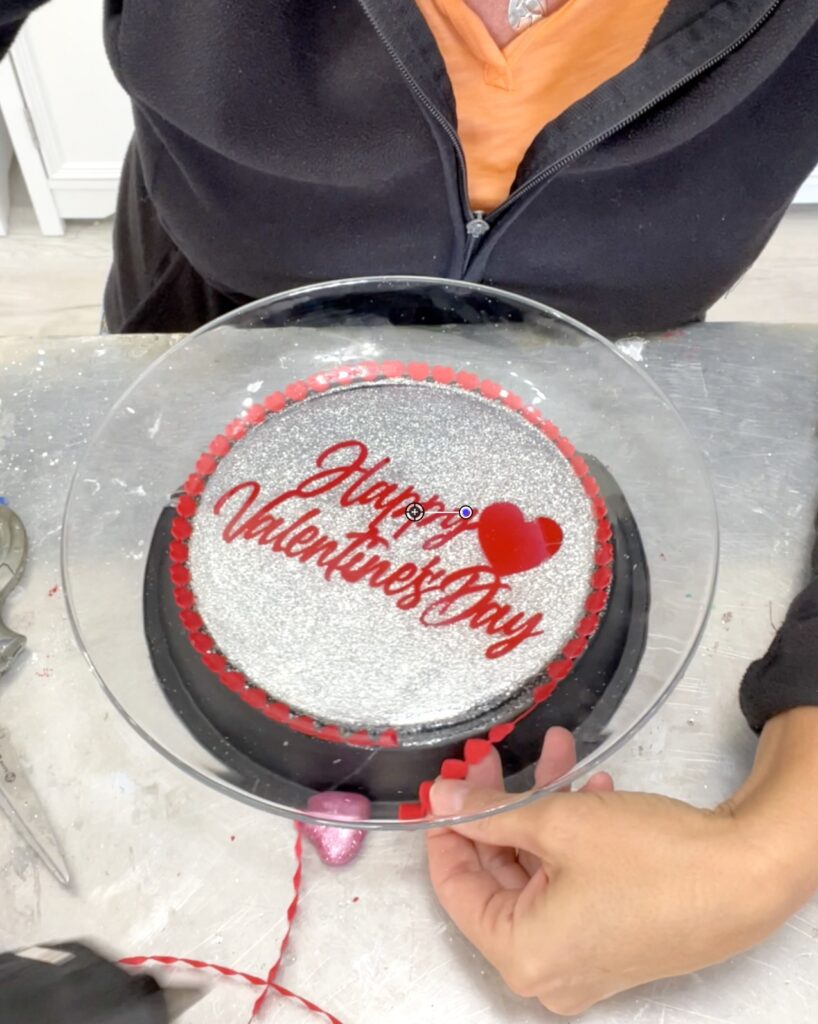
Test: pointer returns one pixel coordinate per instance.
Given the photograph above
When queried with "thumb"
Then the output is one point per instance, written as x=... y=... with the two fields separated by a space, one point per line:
x=524 y=828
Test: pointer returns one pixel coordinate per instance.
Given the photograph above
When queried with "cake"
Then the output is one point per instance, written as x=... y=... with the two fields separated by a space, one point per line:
x=371 y=566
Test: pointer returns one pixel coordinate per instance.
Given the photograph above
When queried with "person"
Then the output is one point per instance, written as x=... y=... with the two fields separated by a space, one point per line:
x=622 y=160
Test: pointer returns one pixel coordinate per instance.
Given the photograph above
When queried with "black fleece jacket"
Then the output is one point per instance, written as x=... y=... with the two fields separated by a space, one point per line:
x=284 y=143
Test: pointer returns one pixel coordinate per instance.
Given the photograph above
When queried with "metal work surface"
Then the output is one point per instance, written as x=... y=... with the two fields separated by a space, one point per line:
x=163 y=864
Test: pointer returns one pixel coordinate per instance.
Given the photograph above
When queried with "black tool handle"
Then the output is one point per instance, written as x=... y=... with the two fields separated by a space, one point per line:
x=71 y=983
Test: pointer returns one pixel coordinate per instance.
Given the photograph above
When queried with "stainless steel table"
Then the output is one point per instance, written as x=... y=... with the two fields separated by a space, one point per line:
x=163 y=864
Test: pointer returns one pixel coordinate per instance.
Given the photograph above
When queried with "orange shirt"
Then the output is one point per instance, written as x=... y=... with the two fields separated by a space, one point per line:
x=505 y=97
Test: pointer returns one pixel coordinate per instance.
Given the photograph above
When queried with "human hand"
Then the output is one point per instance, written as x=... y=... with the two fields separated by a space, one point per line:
x=576 y=896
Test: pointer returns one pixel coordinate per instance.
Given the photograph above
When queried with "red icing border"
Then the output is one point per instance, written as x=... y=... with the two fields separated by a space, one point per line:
x=220 y=446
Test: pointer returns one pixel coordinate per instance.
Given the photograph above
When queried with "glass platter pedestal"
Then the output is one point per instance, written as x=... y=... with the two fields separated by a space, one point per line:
x=612 y=413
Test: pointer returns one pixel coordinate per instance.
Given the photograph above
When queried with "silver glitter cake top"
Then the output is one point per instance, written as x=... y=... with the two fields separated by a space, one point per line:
x=315 y=585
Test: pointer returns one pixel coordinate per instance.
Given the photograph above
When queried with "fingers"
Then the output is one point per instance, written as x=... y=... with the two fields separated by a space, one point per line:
x=559 y=755
x=523 y=829
x=486 y=773
x=472 y=897
x=600 y=782
x=520 y=828
x=531 y=863
x=500 y=861
x=502 y=864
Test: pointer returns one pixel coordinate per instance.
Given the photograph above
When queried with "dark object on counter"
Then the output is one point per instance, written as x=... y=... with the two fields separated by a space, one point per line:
x=783 y=679
x=71 y=983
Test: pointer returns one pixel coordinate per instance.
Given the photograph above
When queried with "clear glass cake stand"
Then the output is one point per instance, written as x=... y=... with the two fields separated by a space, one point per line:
x=145 y=448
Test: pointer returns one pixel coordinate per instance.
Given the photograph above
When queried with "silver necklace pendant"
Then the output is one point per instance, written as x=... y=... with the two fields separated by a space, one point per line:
x=522 y=13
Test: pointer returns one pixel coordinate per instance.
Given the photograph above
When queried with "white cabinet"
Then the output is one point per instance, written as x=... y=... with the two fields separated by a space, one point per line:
x=68 y=118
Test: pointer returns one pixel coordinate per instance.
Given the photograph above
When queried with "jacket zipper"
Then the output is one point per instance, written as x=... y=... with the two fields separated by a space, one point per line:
x=476 y=224
x=560 y=165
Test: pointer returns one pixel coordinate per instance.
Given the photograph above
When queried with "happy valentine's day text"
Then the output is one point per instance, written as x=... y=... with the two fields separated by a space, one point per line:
x=466 y=595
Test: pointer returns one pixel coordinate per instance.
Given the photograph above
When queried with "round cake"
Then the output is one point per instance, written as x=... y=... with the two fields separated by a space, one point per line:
x=372 y=566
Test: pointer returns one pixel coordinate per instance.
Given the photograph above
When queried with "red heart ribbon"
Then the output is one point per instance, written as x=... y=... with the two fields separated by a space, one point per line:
x=267 y=985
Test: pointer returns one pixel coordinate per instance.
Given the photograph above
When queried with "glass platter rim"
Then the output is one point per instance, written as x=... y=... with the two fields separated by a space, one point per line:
x=582 y=768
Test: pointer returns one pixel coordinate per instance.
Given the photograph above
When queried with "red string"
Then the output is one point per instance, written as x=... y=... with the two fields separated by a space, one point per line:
x=251 y=979
x=291 y=911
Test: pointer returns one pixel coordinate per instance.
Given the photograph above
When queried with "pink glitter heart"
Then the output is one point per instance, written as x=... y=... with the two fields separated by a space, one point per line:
x=337 y=846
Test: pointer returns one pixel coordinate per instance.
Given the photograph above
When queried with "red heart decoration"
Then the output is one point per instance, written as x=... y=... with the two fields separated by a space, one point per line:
x=511 y=544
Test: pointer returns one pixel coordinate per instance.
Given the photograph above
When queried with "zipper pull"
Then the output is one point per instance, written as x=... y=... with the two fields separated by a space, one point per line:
x=477 y=226
x=475 y=229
